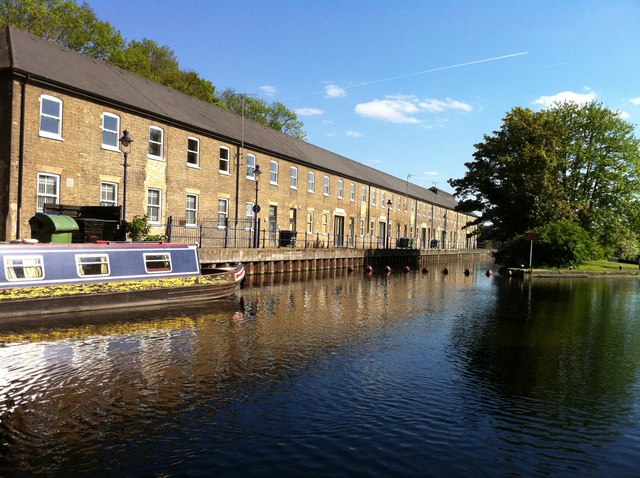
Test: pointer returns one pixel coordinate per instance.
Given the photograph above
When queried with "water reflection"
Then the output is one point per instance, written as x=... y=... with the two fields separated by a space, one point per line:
x=333 y=373
x=557 y=363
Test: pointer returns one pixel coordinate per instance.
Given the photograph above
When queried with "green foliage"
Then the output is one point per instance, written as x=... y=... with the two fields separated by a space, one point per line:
x=138 y=228
x=76 y=27
x=66 y=23
x=567 y=163
x=561 y=244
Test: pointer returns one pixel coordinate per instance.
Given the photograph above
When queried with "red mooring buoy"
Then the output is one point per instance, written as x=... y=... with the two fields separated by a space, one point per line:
x=388 y=269
x=445 y=270
x=425 y=270
x=489 y=273
x=369 y=269
x=467 y=272
x=407 y=269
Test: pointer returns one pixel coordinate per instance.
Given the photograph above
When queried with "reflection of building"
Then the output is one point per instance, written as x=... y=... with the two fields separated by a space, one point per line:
x=63 y=114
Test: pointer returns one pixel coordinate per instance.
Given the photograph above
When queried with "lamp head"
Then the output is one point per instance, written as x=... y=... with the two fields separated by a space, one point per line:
x=126 y=139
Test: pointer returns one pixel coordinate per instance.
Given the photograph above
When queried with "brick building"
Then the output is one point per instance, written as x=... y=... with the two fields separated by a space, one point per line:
x=62 y=115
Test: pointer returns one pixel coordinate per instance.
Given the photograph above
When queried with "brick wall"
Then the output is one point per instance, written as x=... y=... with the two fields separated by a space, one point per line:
x=81 y=162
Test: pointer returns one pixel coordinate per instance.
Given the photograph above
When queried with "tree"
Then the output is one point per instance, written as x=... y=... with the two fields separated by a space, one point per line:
x=569 y=162
x=275 y=115
x=159 y=63
x=76 y=27
x=66 y=23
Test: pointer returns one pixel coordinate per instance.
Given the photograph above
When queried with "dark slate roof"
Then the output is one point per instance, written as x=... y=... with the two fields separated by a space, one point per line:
x=64 y=68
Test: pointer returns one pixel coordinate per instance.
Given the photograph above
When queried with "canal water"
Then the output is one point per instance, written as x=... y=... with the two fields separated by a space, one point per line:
x=336 y=374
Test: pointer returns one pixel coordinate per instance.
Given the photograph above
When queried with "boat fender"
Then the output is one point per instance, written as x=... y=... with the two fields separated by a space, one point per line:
x=489 y=273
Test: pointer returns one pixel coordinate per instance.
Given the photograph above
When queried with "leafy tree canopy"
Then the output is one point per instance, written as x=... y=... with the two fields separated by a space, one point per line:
x=77 y=27
x=570 y=162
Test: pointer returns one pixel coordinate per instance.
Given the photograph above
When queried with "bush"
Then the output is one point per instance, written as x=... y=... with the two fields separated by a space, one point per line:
x=561 y=244
x=138 y=228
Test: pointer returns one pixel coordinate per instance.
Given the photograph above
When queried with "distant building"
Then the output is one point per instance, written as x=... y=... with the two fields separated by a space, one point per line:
x=61 y=117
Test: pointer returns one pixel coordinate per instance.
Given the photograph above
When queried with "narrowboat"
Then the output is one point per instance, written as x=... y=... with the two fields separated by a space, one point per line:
x=39 y=279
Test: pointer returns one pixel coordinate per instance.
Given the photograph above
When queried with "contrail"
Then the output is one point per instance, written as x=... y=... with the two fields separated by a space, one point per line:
x=433 y=70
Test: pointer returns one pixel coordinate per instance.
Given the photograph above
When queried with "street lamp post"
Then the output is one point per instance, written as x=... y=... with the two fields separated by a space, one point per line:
x=256 y=208
x=125 y=147
x=389 y=204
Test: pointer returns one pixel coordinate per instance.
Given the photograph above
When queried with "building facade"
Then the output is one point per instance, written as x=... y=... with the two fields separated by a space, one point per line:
x=61 y=119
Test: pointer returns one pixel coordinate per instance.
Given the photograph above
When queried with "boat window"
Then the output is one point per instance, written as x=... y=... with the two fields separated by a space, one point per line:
x=29 y=267
x=157 y=262
x=92 y=265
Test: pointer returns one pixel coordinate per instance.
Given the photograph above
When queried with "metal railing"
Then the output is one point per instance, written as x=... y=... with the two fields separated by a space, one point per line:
x=226 y=233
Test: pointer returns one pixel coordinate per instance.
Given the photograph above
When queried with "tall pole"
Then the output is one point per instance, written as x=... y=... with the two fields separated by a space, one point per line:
x=125 y=144
x=389 y=204
x=256 y=209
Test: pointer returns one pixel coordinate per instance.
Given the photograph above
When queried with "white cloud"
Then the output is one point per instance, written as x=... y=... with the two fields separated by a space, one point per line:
x=431 y=173
x=353 y=134
x=566 y=96
x=624 y=115
x=334 y=91
x=308 y=112
x=402 y=109
x=438 y=106
x=268 y=90
x=635 y=101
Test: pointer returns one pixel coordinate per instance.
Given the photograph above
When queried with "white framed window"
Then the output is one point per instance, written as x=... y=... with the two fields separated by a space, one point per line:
x=294 y=177
x=383 y=199
x=251 y=166
x=50 y=117
x=110 y=131
x=352 y=194
x=108 y=194
x=249 y=210
x=374 y=197
x=361 y=227
x=273 y=172
x=156 y=142
x=193 y=152
x=326 y=190
x=340 y=189
x=192 y=210
x=23 y=267
x=154 y=205
x=311 y=182
x=310 y=221
x=48 y=190
x=154 y=263
x=399 y=203
x=406 y=204
x=223 y=212
x=363 y=195
x=325 y=222
x=92 y=265
x=224 y=160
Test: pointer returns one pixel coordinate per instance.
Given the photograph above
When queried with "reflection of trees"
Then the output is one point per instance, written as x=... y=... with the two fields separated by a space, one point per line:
x=565 y=344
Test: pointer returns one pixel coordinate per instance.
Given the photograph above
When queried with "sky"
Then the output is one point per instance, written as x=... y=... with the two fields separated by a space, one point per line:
x=407 y=87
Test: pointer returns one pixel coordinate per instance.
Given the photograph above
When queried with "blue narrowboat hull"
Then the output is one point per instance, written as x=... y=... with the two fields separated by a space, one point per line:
x=45 y=279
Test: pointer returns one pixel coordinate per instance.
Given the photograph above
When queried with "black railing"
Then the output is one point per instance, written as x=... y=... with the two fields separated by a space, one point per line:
x=226 y=233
